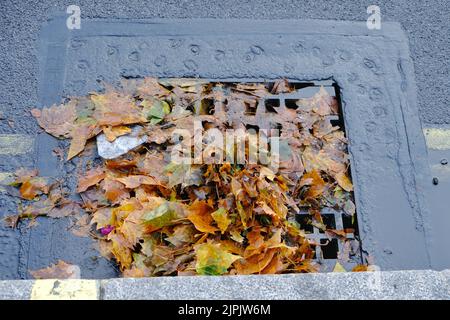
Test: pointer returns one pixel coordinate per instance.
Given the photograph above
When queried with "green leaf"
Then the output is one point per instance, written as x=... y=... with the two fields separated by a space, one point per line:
x=157 y=111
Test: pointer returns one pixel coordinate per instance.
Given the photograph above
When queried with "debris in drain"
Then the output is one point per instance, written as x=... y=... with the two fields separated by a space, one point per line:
x=180 y=192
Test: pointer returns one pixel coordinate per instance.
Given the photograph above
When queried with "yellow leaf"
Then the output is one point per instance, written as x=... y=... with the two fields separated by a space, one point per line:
x=221 y=218
x=111 y=133
x=212 y=259
x=339 y=268
x=344 y=181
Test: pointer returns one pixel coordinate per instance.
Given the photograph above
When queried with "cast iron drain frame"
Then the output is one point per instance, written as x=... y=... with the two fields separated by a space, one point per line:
x=373 y=68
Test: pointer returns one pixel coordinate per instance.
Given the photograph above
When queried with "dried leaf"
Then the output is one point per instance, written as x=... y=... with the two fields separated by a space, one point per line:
x=200 y=215
x=212 y=259
x=220 y=216
x=91 y=178
x=60 y=270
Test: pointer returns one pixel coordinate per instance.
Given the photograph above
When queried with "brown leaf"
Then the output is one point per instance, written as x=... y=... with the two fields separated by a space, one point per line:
x=57 y=120
x=200 y=215
x=61 y=270
x=134 y=181
x=344 y=181
x=91 y=178
x=315 y=182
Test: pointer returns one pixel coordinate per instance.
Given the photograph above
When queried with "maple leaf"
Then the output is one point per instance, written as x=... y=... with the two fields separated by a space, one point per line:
x=33 y=187
x=344 y=181
x=111 y=133
x=255 y=263
x=183 y=174
x=212 y=259
x=91 y=178
x=181 y=234
x=315 y=182
x=200 y=215
x=115 y=109
x=58 y=120
x=103 y=217
x=114 y=191
x=160 y=217
x=134 y=181
x=121 y=250
x=60 y=270
x=81 y=134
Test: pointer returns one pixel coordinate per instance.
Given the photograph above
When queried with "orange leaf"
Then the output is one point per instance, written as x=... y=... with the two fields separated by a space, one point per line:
x=316 y=183
x=255 y=263
x=200 y=215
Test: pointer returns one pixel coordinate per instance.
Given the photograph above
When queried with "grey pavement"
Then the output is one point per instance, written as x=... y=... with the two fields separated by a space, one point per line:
x=393 y=285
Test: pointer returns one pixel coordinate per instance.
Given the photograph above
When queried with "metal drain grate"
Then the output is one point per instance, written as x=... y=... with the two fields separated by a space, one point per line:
x=346 y=248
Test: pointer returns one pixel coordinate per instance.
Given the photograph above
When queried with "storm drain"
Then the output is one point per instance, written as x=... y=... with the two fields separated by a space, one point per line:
x=376 y=79
x=343 y=244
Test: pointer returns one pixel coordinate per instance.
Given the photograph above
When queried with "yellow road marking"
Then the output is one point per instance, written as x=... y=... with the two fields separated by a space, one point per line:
x=72 y=289
x=15 y=144
x=438 y=139
x=5 y=178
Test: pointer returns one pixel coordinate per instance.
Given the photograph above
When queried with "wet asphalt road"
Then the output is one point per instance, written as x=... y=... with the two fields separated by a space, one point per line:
x=426 y=23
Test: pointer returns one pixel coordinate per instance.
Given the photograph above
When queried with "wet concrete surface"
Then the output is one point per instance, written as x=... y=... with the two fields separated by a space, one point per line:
x=425 y=23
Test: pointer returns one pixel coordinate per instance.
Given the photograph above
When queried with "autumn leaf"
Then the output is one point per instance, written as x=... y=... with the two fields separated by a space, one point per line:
x=81 y=134
x=181 y=234
x=220 y=216
x=134 y=181
x=121 y=250
x=344 y=181
x=160 y=217
x=200 y=215
x=315 y=182
x=33 y=187
x=60 y=270
x=255 y=263
x=91 y=178
x=183 y=174
x=111 y=133
x=58 y=120
x=115 y=191
x=115 y=109
x=103 y=217
x=212 y=259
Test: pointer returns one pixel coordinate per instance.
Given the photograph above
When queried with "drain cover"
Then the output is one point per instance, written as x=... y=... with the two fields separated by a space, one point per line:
x=372 y=68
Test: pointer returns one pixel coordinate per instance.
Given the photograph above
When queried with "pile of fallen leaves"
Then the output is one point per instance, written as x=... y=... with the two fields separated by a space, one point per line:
x=156 y=217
